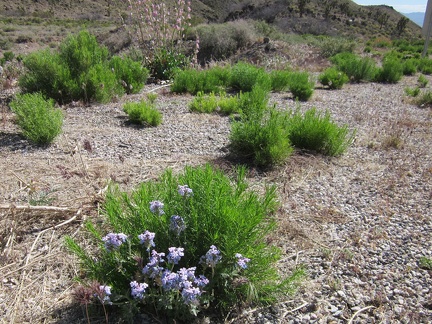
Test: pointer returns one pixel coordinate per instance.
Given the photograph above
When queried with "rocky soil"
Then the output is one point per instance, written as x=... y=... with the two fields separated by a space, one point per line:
x=358 y=223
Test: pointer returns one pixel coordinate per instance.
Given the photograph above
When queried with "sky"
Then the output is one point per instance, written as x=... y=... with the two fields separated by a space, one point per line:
x=406 y=6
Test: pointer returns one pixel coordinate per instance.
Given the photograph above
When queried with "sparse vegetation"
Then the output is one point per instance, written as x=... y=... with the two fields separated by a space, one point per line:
x=143 y=113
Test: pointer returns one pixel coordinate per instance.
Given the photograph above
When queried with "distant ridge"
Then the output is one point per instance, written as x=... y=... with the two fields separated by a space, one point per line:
x=417 y=17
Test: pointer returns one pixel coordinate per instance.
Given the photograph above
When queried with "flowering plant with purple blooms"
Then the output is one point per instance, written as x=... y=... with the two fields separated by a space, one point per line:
x=114 y=240
x=146 y=239
x=241 y=261
x=156 y=207
x=185 y=191
x=177 y=224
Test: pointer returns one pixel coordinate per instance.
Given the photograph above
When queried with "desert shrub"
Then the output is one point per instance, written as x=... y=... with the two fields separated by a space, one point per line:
x=185 y=243
x=330 y=46
x=165 y=63
x=333 y=78
x=229 y=105
x=355 y=67
x=143 y=113
x=422 y=81
x=280 y=79
x=425 y=65
x=300 y=86
x=131 y=75
x=410 y=66
x=39 y=121
x=204 y=103
x=193 y=81
x=220 y=41
x=424 y=99
x=244 y=76
x=412 y=92
x=391 y=70
x=262 y=141
x=317 y=132
x=100 y=83
x=253 y=105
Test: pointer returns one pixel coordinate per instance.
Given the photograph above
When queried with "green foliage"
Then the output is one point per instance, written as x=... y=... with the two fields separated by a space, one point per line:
x=355 y=67
x=253 y=105
x=211 y=103
x=244 y=76
x=300 y=86
x=317 y=132
x=422 y=81
x=280 y=80
x=333 y=78
x=207 y=81
x=410 y=66
x=39 y=121
x=143 y=113
x=80 y=71
x=412 y=92
x=424 y=99
x=165 y=63
x=218 y=211
x=330 y=46
x=425 y=263
x=425 y=65
x=391 y=70
x=130 y=74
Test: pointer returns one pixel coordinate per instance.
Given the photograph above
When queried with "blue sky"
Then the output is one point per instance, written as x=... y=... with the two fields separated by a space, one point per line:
x=399 y=5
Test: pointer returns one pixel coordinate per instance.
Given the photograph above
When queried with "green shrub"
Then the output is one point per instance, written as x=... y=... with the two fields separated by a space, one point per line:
x=356 y=68
x=412 y=92
x=391 y=70
x=253 y=105
x=216 y=220
x=300 y=86
x=280 y=80
x=410 y=66
x=425 y=99
x=425 y=65
x=206 y=81
x=333 y=78
x=264 y=142
x=165 y=63
x=330 y=46
x=315 y=131
x=204 y=103
x=131 y=75
x=229 y=105
x=143 y=113
x=39 y=121
x=422 y=81
x=244 y=76
x=425 y=263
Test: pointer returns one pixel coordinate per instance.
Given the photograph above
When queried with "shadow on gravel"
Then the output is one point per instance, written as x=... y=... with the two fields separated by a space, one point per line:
x=14 y=141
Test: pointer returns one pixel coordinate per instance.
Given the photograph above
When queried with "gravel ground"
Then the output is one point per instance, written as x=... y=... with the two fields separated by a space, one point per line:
x=359 y=223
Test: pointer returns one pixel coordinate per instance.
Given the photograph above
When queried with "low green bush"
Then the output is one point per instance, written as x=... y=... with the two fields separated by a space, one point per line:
x=422 y=81
x=214 y=80
x=187 y=243
x=245 y=76
x=165 y=63
x=143 y=113
x=412 y=92
x=301 y=86
x=39 y=121
x=100 y=83
x=211 y=103
x=333 y=78
x=253 y=105
x=130 y=74
x=424 y=99
x=410 y=66
x=330 y=46
x=425 y=65
x=391 y=70
x=280 y=80
x=317 y=132
x=356 y=68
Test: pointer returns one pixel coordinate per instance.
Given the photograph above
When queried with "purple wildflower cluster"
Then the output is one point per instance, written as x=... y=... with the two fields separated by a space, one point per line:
x=212 y=257
x=175 y=255
x=104 y=294
x=242 y=261
x=177 y=224
x=153 y=268
x=185 y=191
x=138 y=289
x=114 y=240
x=146 y=239
x=156 y=207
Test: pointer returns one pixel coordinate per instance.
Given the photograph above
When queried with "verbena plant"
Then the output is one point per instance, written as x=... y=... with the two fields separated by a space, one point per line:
x=333 y=78
x=185 y=243
x=39 y=121
x=316 y=131
x=143 y=113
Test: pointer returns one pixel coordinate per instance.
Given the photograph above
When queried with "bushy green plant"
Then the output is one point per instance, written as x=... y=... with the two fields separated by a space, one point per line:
x=356 y=68
x=244 y=76
x=212 y=232
x=229 y=105
x=207 y=81
x=39 y=121
x=333 y=78
x=301 y=86
x=425 y=263
x=264 y=142
x=425 y=65
x=164 y=64
x=280 y=80
x=253 y=105
x=330 y=46
x=410 y=66
x=424 y=99
x=422 y=81
x=316 y=131
x=391 y=70
x=412 y=92
x=143 y=113
x=204 y=103
x=131 y=75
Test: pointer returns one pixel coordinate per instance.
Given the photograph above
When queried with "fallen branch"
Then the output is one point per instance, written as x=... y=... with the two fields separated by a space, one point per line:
x=358 y=312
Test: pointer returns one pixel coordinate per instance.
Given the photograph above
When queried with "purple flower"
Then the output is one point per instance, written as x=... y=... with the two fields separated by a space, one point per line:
x=175 y=255
x=146 y=239
x=185 y=191
x=153 y=268
x=190 y=295
x=156 y=207
x=114 y=240
x=212 y=257
x=177 y=224
x=187 y=274
x=242 y=261
x=201 y=281
x=170 y=280
x=138 y=289
x=104 y=294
